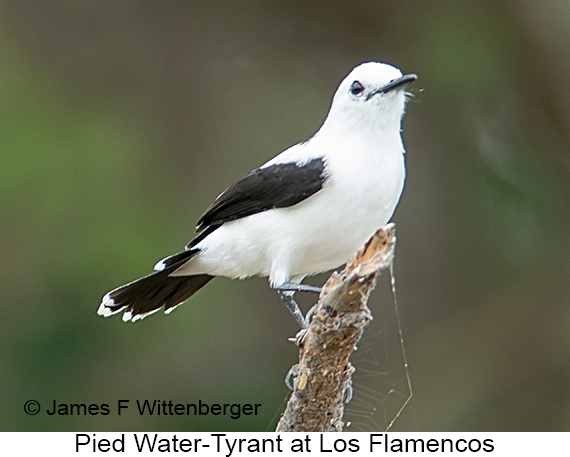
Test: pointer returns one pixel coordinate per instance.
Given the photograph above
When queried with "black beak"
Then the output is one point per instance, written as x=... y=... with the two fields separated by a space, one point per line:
x=394 y=85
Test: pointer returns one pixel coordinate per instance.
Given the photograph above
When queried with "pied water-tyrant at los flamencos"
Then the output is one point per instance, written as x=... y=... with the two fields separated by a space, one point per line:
x=304 y=212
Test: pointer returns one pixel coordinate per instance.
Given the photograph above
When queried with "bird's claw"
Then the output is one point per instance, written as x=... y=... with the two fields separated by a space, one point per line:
x=347 y=394
x=292 y=373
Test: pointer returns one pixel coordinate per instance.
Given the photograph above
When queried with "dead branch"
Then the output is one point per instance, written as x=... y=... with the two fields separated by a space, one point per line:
x=323 y=375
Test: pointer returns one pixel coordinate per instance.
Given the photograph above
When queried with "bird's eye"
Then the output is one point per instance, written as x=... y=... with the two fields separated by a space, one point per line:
x=356 y=88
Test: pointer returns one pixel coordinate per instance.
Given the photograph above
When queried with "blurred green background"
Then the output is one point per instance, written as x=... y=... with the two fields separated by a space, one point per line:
x=121 y=121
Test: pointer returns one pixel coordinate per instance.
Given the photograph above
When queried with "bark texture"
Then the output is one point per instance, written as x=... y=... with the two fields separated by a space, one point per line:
x=323 y=376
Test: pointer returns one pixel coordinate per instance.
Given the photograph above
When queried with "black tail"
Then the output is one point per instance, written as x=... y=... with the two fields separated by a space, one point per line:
x=147 y=295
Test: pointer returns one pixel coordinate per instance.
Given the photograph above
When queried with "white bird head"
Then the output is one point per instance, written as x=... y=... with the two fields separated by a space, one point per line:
x=371 y=96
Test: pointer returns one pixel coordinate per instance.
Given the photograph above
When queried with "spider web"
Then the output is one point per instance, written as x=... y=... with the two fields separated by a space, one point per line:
x=381 y=384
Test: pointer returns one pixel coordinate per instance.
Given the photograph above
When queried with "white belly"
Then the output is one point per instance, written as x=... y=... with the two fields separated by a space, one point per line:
x=316 y=235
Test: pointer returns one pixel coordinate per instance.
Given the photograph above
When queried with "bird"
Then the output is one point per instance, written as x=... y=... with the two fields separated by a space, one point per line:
x=303 y=212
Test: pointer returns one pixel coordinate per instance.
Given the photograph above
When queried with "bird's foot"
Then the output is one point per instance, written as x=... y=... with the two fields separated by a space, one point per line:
x=291 y=374
x=294 y=287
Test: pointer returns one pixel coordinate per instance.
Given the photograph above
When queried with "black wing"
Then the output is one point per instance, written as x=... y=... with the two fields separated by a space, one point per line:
x=276 y=186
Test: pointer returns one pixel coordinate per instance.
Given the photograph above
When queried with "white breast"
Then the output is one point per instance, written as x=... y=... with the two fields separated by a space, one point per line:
x=318 y=234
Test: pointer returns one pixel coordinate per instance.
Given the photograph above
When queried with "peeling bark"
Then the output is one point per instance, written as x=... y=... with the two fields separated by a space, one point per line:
x=322 y=385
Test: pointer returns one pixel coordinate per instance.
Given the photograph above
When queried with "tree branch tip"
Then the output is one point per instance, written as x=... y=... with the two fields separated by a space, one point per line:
x=323 y=381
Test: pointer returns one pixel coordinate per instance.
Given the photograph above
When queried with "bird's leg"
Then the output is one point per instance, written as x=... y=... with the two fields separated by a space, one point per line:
x=293 y=307
x=294 y=287
x=287 y=292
